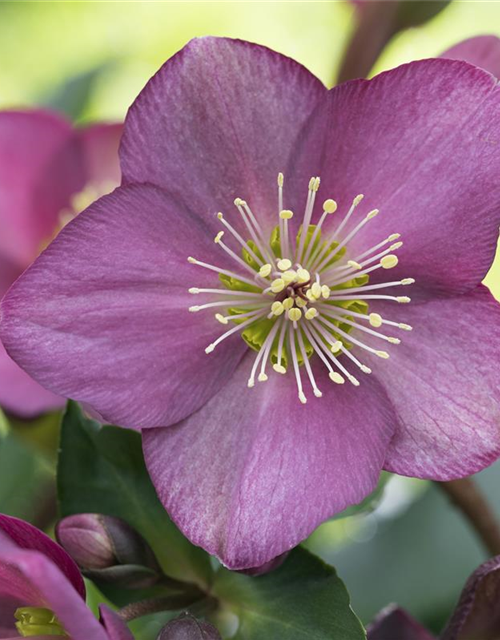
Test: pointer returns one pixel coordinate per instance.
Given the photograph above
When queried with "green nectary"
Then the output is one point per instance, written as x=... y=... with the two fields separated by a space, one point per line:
x=37 y=621
x=256 y=333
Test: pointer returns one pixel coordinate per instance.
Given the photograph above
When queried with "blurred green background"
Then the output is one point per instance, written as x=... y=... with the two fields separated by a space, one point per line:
x=89 y=60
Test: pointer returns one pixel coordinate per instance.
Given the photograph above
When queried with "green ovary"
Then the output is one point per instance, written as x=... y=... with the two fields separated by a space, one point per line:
x=256 y=333
x=37 y=621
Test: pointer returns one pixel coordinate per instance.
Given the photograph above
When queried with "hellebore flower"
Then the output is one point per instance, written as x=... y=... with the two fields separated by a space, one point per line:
x=119 y=311
x=481 y=51
x=476 y=616
x=48 y=173
x=42 y=593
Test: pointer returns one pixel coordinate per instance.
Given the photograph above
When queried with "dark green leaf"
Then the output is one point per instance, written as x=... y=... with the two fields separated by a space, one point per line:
x=101 y=470
x=302 y=600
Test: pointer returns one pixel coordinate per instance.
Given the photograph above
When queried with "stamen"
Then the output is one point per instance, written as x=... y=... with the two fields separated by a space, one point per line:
x=278 y=367
x=238 y=327
x=240 y=261
x=311 y=197
x=231 y=274
x=242 y=242
x=295 y=362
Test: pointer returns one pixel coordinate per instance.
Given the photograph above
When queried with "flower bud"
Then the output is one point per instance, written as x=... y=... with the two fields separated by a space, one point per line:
x=186 y=627
x=108 y=549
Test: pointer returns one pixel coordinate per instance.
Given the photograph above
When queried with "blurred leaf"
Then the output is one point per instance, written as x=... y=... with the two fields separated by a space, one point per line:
x=25 y=478
x=73 y=97
x=4 y=424
x=301 y=600
x=414 y=13
x=41 y=433
x=101 y=470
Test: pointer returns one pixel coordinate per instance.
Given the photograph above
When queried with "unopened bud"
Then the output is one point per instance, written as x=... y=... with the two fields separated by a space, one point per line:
x=108 y=549
x=187 y=627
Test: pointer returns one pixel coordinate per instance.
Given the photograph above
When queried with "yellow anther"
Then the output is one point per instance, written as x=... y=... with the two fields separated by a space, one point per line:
x=325 y=291
x=289 y=276
x=316 y=290
x=365 y=369
x=311 y=313
x=316 y=184
x=405 y=327
x=210 y=348
x=251 y=383
x=375 y=319
x=311 y=183
x=336 y=377
x=238 y=202
x=329 y=206
x=372 y=214
x=281 y=179
x=277 y=285
x=309 y=296
x=300 y=303
x=388 y=262
x=393 y=236
x=262 y=377
x=220 y=216
x=221 y=318
x=394 y=340
x=277 y=308
x=336 y=346
x=284 y=264
x=192 y=260
x=286 y=214
x=194 y=309
x=408 y=281
x=403 y=299
x=279 y=368
x=194 y=290
x=302 y=397
x=318 y=393
x=265 y=270
x=294 y=314
x=303 y=275
x=218 y=237
x=358 y=199
x=395 y=246
x=288 y=303
x=353 y=264
x=382 y=354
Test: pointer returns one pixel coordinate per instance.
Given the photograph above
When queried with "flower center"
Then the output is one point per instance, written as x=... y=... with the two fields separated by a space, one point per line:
x=37 y=621
x=291 y=299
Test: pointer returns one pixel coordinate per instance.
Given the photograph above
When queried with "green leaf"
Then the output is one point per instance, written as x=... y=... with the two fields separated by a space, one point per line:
x=26 y=480
x=102 y=470
x=302 y=600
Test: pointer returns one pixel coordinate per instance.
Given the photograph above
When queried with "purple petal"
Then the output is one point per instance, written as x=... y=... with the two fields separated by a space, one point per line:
x=20 y=394
x=40 y=168
x=481 y=51
x=252 y=473
x=115 y=627
x=100 y=144
x=444 y=383
x=33 y=577
x=26 y=536
x=102 y=316
x=421 y=143
x=218 y=121
x=394 y=623
x=477 y=615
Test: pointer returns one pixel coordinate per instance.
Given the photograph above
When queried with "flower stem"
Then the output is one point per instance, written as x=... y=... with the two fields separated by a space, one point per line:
x=469 y=499
x=156 y=605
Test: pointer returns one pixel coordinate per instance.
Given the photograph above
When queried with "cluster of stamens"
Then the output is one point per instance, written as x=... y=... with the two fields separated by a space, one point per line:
x=305 y=296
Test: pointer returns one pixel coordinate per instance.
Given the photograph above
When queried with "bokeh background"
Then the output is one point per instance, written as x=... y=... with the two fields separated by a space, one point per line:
x=89 y=60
